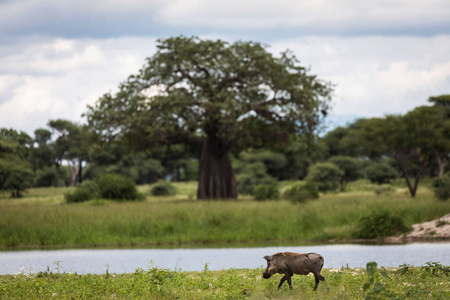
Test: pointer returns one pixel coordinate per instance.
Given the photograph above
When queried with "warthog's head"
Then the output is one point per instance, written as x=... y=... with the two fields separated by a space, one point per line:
x=271 y=267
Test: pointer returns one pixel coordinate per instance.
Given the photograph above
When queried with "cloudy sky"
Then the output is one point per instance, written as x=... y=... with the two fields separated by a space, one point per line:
x=385 y=56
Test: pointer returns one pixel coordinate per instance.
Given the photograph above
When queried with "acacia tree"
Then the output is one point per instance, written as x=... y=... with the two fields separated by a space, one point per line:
x=442 y=130
x=413 y=140
x=216 y=97
x=71 y=145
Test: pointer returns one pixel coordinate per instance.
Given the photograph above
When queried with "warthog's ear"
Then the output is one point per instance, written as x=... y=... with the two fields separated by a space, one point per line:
x=268 y=257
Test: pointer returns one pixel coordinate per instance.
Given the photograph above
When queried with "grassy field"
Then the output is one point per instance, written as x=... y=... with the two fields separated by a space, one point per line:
x=431 y=281
x=42 y=219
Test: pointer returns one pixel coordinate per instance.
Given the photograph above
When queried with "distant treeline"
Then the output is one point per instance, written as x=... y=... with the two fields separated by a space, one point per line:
x=412 y=145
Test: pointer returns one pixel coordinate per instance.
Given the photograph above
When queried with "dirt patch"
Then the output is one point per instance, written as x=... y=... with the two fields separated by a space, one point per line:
x=438 y=229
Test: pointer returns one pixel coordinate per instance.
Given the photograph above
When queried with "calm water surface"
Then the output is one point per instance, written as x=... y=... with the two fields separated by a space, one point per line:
x=97 y=261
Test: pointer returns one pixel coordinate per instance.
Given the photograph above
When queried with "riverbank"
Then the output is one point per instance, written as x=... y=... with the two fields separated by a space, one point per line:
x=431 y=231
x=430 y=281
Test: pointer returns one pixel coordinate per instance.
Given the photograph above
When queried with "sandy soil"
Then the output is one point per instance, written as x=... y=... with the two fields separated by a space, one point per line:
x=438 y=229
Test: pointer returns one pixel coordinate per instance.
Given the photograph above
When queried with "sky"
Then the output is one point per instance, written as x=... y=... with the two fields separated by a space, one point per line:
x=57 y=57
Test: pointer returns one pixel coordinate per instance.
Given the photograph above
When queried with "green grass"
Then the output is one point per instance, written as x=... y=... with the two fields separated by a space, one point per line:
x=427 y=282
x=42 y=219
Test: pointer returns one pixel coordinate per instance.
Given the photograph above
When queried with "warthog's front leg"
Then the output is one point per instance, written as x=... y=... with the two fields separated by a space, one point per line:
x=288 y=278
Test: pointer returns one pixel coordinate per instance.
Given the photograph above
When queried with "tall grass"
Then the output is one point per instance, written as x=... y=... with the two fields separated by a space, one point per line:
x=35 y=222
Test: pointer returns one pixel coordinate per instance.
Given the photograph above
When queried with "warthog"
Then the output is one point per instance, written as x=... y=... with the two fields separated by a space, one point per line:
x=290 y=263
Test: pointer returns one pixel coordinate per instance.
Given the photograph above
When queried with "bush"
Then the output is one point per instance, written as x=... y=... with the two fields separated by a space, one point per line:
x=380 y=223
x=351 y=167
x=163 y=188
x=252 y=175
x=86 y=191
x=441 y=187
x=15 y=179
x=300 y=193
x=49 y=177
x=326 y=176
x=266 y=191
x=78 y=195
x=383 y=189
x=380 y=173
x=117 y=187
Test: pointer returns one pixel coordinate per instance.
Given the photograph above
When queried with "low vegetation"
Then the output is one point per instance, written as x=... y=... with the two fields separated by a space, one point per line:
x=42 y=218
x=431 y=281
x=441 y=187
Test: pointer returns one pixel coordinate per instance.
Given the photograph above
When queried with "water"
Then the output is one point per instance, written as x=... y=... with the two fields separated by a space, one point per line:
x=97 y=261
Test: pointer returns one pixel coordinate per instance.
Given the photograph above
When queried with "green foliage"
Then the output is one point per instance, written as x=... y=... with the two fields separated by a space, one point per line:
x=117 y=187
x=50 y=176
x=86 y=191
x=380 y=223
x=441 y=187
x=351 y=168
x=163 y=188
x=383 y=189
x=15 y=177
x=251 y=175
x=300 y=193
x=374 y=287
x=15 y=172
x=266 y=192
x=326 y=176
x=274 y=162
x=380 y=173
x=78 y=195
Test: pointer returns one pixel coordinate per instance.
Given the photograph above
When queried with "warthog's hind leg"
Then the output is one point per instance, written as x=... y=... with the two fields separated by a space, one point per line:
x=318 y=278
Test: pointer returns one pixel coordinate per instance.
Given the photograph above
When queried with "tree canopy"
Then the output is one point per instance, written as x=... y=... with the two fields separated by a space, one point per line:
x=215 y=97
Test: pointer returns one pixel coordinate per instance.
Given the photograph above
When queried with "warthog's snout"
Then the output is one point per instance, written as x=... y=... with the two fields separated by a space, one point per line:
x=266 y=275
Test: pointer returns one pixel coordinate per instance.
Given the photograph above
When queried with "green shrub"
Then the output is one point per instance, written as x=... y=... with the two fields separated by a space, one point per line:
x=441 y=187
x=47 y=177
x=380 y=173
x=163 y=188
x=78 y=195
x=86 y=191
x=326 y=176
x=300 y=193
x=383 y=189
x=17 y=180
x=351 y=167
x=251 y=175
x=117 y=187
x=266 y=191
x=380 y=223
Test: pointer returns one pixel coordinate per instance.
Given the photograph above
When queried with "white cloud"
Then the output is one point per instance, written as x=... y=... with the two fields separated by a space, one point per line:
x=58 y=78
x=377 y=75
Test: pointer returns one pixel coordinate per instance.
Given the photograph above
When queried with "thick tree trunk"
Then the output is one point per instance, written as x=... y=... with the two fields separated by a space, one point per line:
x=216 y=177
x=412 y=188
x=80 y=171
